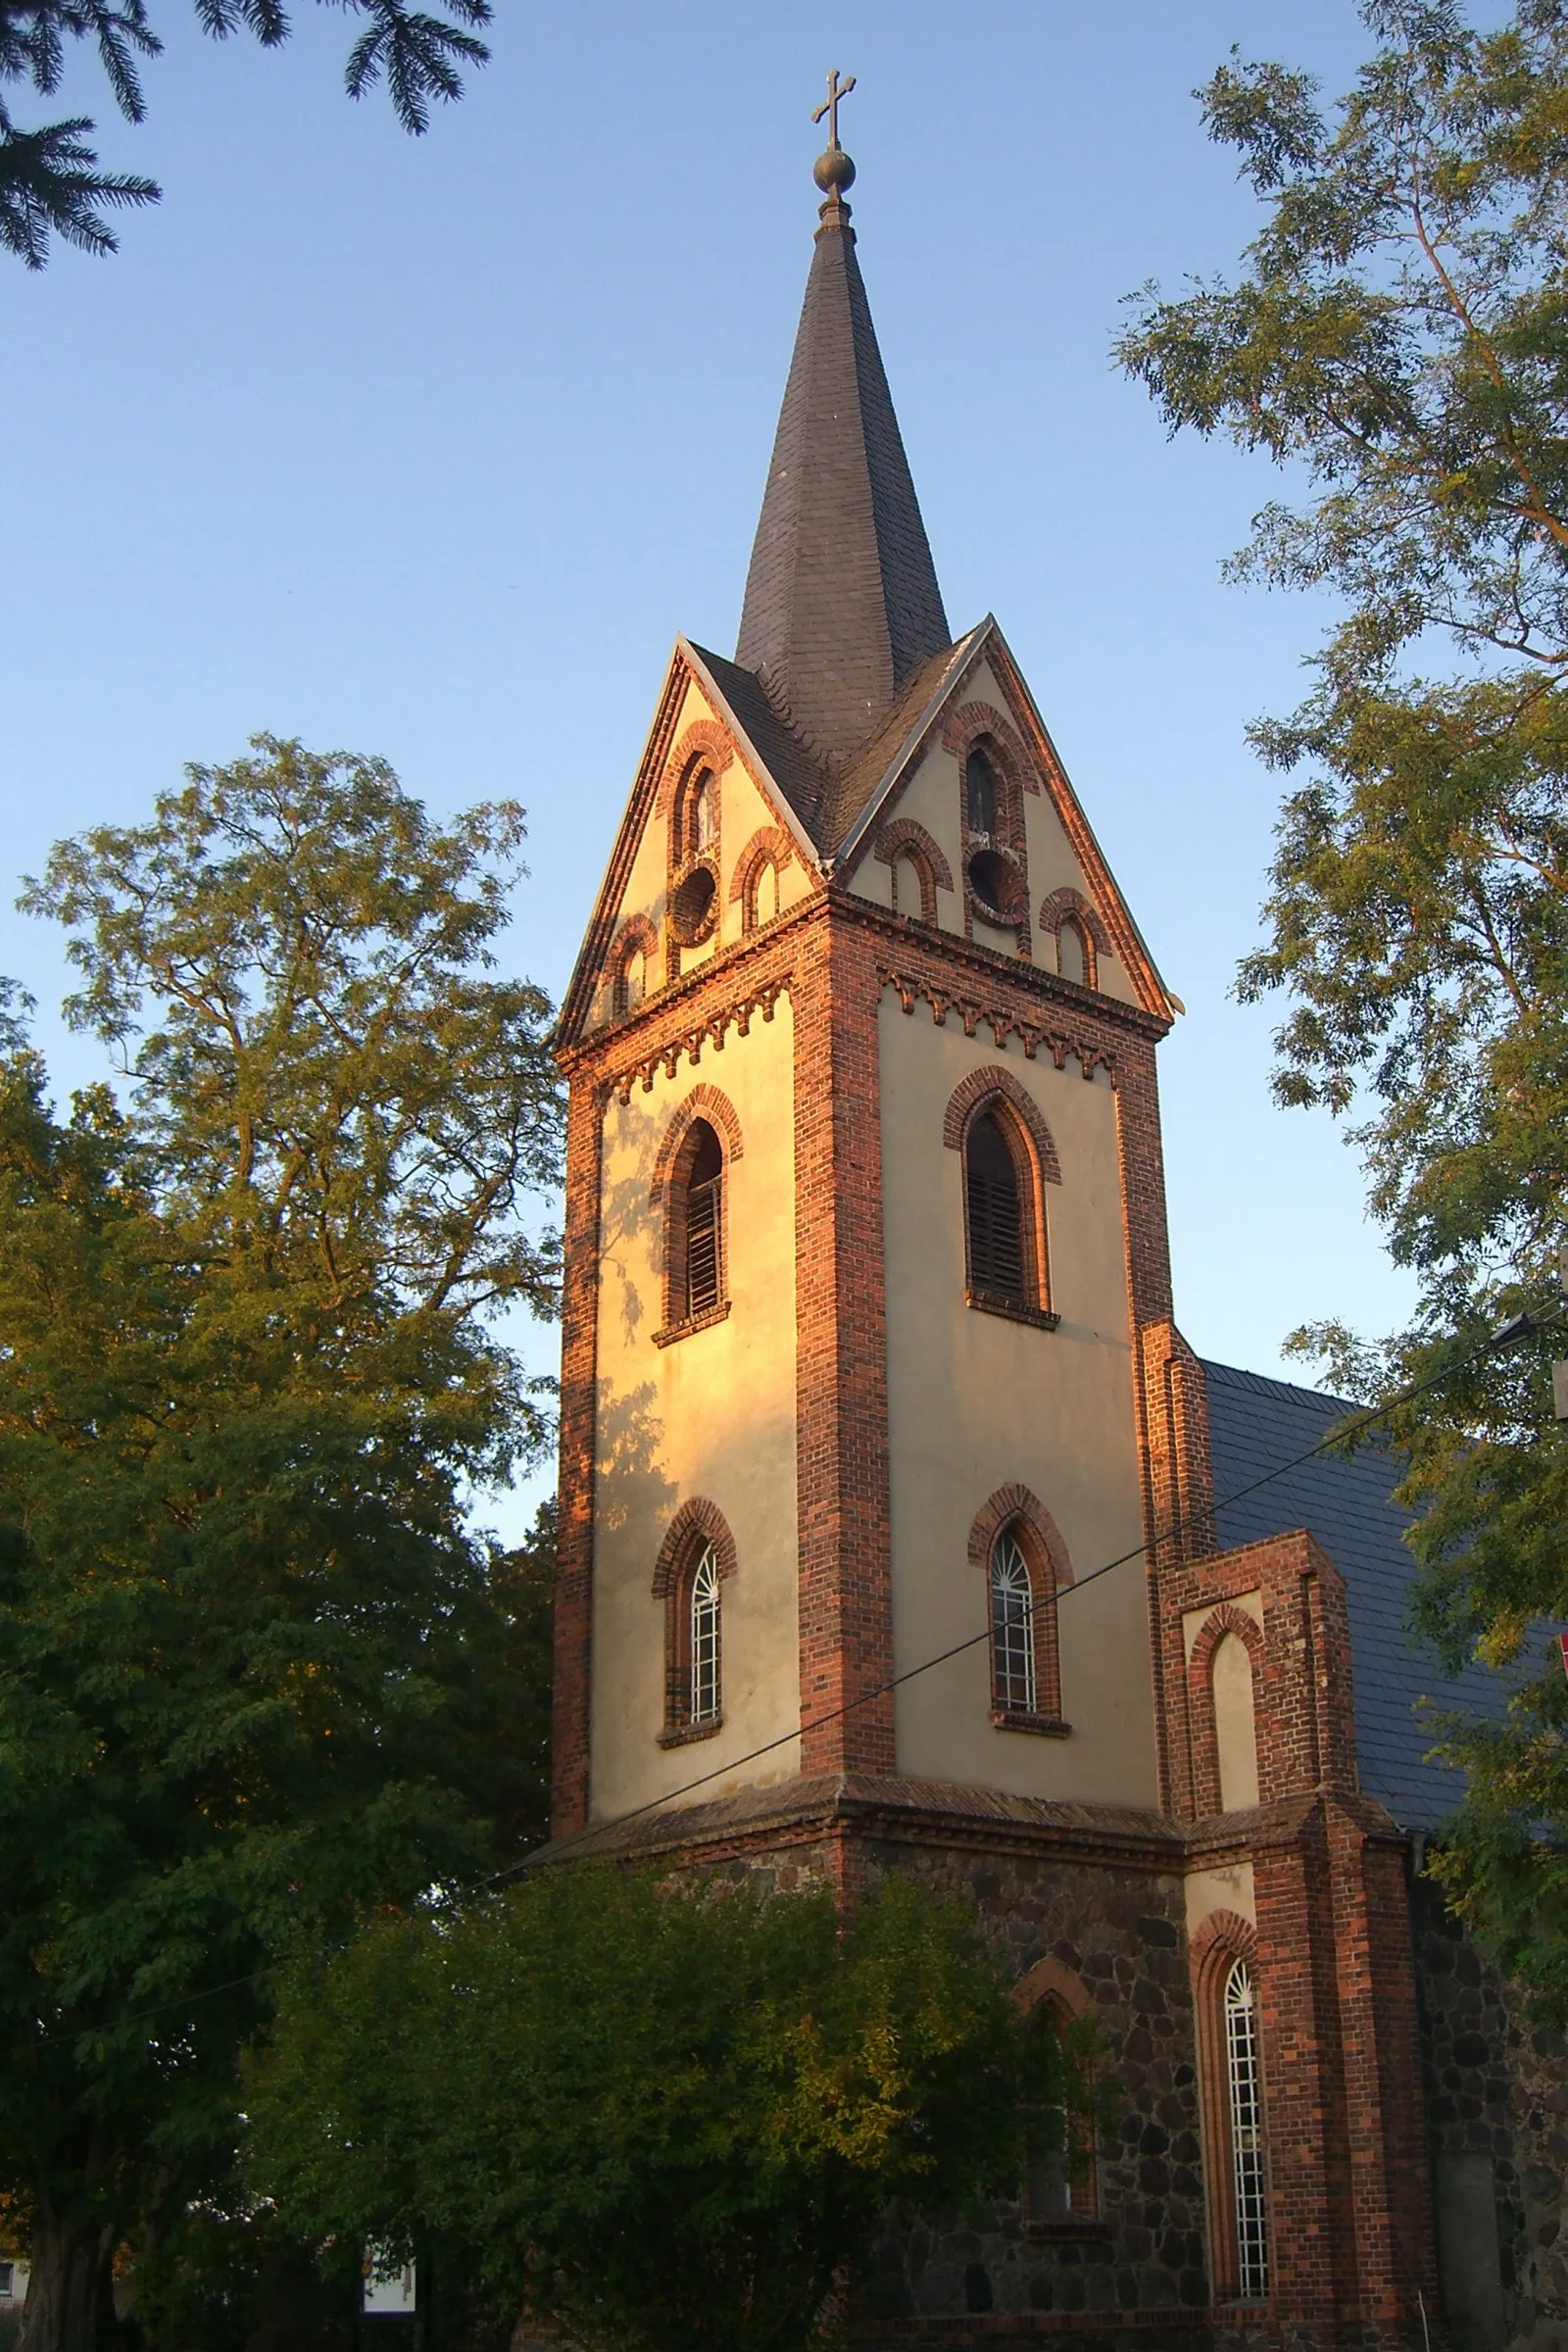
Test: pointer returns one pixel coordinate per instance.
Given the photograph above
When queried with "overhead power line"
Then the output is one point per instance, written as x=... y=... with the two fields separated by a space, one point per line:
x=1505 y=1336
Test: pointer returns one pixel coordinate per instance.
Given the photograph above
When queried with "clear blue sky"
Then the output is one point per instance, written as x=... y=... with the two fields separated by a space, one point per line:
x=429 y=447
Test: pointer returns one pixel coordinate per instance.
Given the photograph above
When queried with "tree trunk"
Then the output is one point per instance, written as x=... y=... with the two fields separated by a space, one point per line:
x=71 y=2288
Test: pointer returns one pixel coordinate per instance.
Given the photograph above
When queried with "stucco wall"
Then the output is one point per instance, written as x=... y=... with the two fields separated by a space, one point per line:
x=743 y=812
x=931 y=798
x=712 y=1414
x=977 y=1402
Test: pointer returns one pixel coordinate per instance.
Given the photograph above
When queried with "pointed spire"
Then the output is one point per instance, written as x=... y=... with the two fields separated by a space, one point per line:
x=841 y=602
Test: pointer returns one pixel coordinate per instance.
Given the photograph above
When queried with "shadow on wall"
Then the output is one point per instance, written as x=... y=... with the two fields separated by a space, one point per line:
x=623 y=1220
x=632 y=1488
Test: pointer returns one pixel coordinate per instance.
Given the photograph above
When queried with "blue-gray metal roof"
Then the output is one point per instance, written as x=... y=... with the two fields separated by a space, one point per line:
x=1255 y=1426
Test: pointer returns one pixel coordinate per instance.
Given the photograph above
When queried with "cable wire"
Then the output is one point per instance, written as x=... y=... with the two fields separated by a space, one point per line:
x=1517 y=1328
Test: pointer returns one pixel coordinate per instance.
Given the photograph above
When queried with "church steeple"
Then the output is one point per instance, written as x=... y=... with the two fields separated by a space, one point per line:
x=841 y=602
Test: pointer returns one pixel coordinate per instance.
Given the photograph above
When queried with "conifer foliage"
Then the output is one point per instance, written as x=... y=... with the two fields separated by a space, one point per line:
x=1399 y=337
x=49 y=179
x=257 y=1678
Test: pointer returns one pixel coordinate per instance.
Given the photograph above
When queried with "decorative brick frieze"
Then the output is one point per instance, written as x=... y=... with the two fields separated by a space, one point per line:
x=715 y=1025
x=902 y=836
x=1001 y=1021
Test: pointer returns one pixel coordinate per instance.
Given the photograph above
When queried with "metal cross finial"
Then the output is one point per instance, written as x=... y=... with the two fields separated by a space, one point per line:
x=836 y=90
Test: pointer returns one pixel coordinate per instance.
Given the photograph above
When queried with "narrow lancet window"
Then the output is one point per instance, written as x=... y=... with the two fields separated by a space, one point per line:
x=704 y=1637
x=1243 y=2079
x=980 y=792
x=704 y=1205
x=1012 y=1627
x=997 y=1255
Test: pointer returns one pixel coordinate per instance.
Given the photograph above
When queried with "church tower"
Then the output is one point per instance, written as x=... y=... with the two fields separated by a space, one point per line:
x=886 y=1527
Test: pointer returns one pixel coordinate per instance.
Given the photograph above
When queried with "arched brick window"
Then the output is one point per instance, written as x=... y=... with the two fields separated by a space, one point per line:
x=1078 y=929
x=1225 y=1657
x=758 y=880
x=1018 y=1544
x=1060 y=2189
x=694 y=851
x=1074 y=953
x=1224 y=1953
x=1009 y=1159
x=690 y=1185
x=629 y=964
x=916 y=866
x=699 y=1203
x=694 y=1561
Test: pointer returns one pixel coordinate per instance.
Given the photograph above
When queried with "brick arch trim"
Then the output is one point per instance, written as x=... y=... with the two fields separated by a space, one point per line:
x=769 y=846
x=707 y=1103
x=1213 y=1948
x=1068 y=900
x=904 y=836
x=990 y=1083
x=1219 y=1940
x=637 y=932
x=703 y=736
x=1227 y=1618
x=1013 y=1502
x=1049 y=1981
x=968 y=721
x=696 y=1521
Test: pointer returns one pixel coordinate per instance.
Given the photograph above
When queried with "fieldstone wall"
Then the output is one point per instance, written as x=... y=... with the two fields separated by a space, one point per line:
x=1497 y=2097
x=1122 y=1933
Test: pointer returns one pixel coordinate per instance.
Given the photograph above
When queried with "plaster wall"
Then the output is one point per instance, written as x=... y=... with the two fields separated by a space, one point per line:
x=932 y=798
x=1228 y=1886
x=1234 y=1728
x=977 y=1402
x=744 y=810
x=712 y=1414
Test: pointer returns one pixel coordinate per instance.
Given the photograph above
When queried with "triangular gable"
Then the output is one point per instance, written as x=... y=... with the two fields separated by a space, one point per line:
x=986 y=644
x=689 y=667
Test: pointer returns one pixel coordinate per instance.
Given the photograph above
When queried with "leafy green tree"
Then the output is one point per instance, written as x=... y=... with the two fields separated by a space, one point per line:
x=50 y=178
x=257 y=1679
x=1401 y=341
x=664 y=2118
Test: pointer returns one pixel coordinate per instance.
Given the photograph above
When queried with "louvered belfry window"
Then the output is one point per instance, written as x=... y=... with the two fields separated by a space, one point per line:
x=703 y=1181
x=998 y=1259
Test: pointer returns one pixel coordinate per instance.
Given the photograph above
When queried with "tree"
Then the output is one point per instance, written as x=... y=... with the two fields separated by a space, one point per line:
x=1400 y=341
x=257 y=1678
x=668 y=2117
x=49 y=178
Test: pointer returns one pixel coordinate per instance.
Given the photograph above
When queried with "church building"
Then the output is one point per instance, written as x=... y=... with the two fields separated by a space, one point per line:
x=891 y=1535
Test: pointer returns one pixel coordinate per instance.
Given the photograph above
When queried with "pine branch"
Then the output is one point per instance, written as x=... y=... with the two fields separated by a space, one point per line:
x=418 y=54
x=49 y=181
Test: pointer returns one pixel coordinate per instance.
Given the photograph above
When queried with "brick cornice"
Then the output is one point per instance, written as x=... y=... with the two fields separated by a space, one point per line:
x=1018 y=991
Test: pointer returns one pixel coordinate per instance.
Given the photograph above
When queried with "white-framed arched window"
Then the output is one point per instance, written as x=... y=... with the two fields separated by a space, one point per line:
x=1012 y=1627
x=1245 y=2093
x=703 y=1643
